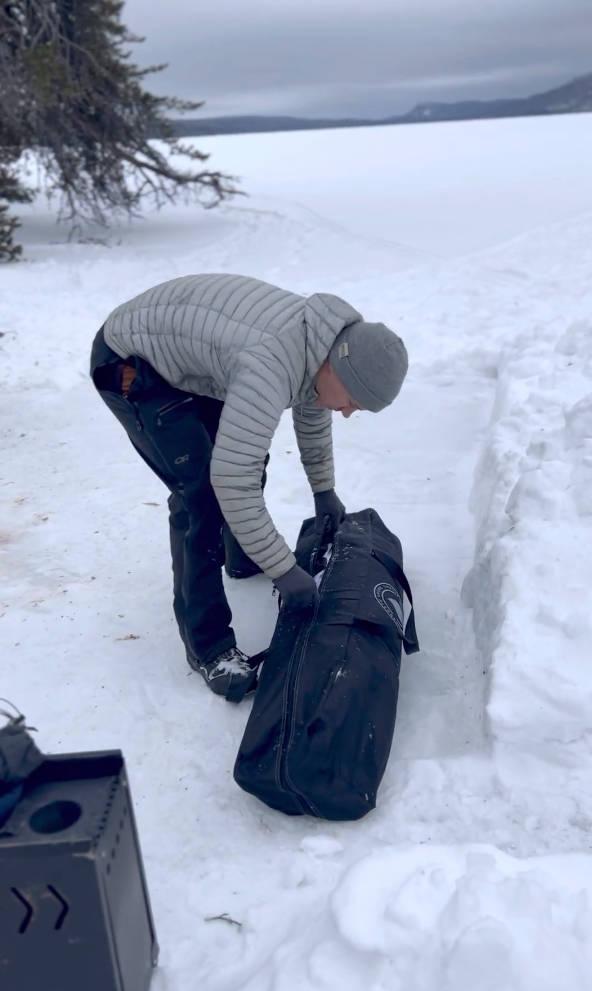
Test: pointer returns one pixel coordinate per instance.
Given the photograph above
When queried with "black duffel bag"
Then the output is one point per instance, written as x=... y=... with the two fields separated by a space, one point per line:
x=319 y=735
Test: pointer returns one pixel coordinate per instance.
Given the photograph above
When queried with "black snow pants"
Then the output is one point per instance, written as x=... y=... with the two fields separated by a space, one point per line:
x=174 y=432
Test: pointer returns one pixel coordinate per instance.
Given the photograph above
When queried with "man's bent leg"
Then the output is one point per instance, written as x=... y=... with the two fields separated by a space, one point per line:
x=171 y=421
x=201 y=591
x=164 y=426
x=178 y=526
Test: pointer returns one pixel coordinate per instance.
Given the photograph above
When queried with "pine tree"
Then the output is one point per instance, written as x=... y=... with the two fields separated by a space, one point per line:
x=11 y=191
x=69 y=92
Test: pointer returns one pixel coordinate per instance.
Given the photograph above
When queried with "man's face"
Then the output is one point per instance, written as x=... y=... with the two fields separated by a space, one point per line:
x=331 y=394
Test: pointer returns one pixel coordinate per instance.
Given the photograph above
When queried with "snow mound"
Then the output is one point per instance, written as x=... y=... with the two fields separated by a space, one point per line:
x=531 y=584
x=468 y=919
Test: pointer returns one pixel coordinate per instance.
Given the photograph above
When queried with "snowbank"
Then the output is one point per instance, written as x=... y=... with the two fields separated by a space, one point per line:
x=531 y=586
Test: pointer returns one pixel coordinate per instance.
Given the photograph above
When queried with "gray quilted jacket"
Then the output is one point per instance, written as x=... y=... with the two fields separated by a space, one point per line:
x=258 y=348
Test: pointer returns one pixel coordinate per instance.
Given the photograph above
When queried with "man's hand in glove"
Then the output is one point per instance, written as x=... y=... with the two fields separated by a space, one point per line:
x=328 y=504
x=297 y=589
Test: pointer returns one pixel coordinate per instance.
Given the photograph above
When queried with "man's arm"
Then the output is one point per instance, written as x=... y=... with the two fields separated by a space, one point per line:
x=315 y=443
x=254 y=404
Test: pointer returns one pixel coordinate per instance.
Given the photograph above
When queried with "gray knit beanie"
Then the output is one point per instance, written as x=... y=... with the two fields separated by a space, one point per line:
x=371 y=362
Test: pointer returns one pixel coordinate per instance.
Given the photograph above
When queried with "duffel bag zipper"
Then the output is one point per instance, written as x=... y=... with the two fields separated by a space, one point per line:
x=282 y=776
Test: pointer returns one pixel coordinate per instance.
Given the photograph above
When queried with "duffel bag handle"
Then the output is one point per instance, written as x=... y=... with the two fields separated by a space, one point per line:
x=409 y=638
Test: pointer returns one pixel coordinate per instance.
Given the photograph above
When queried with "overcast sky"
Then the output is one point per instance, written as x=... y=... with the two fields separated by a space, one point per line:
x=365 y=58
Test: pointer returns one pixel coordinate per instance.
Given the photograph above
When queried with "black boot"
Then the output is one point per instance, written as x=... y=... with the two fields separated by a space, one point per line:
x=229 y=674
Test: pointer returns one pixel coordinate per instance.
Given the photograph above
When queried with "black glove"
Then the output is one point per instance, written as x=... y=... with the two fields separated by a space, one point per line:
x=328 y=504
x=297 y=589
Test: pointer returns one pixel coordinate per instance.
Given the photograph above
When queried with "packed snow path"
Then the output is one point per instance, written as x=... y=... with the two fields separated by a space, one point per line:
x=430 y=892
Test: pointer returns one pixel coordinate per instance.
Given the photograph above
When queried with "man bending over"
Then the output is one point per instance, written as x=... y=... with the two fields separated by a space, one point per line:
x=198 y=371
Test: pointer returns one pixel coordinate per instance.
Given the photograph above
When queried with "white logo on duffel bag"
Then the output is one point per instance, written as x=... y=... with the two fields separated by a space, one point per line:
x=392 y=602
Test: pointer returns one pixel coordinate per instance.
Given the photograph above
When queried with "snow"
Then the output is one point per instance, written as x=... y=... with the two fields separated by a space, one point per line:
x=532 y=582
x=446 y=194
x=474 y=873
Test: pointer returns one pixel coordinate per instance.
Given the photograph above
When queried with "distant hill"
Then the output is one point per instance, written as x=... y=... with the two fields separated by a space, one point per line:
x=252 y=125
x=573 y=98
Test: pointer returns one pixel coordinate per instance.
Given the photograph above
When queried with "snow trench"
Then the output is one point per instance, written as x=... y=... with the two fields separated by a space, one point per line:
x=531 y=584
